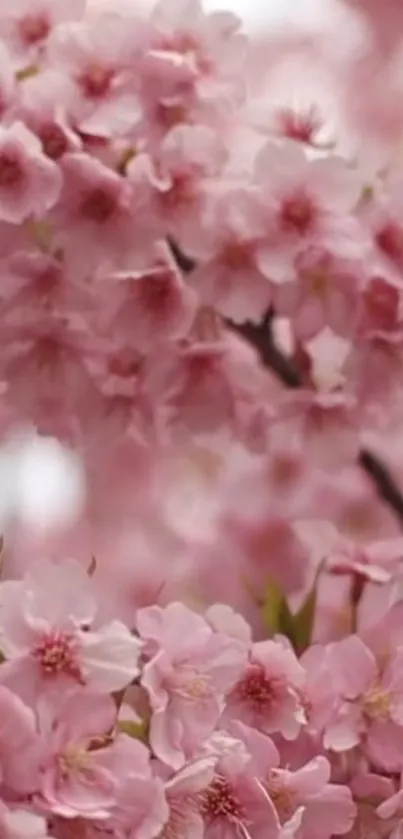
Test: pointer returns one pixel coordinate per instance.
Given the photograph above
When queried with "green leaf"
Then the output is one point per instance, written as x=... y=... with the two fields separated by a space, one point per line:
x=136 y=730
x=278 y=618
x=303 y=620
x=276 y=614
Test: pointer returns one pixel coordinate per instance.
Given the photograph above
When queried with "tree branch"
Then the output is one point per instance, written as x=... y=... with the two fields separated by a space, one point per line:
x=260 y=336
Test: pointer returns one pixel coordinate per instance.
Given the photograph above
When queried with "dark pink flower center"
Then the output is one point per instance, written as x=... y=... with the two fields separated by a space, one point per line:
x=257 y=689
x=298 y=214
x=382 y=302
x=56 y=653
x=11 y=172
x=236 y=255
x=95 y=82
x=181 y=193
x=389 y=239
x=156 y=291
x=299 y=126
x=220 y=800
x=53 y=140
x=99 y=205
x=34 y=28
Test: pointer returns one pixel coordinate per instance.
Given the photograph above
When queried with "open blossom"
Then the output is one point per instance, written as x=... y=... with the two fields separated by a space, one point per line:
x=269 y=693
x=305 y=802
x=30 y=183
x=46 y=630
x=235 y=802
x=308 y=203
x=74 y=780
x=368 y=703
x=189 y=670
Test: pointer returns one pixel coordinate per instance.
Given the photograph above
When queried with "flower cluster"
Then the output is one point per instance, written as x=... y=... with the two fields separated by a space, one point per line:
x=201 y=302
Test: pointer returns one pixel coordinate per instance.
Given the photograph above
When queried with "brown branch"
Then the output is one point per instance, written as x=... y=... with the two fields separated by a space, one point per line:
x=260 y=336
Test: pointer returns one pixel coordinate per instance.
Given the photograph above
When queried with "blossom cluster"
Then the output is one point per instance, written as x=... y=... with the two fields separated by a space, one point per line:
x=201 y=301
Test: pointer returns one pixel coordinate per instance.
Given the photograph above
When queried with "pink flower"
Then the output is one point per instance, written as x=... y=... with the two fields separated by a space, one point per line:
x=228 y=276
x=304 y=801
x=308 y=202
x=154 y=306
x=324 y=291
x=29 y=182
x=183 y=792
x=235 y=802
x=46 y=631
x=141 y=805
x=189 y=671
x=98 y=61
x=268 y=694
x=94 y=216
x=77 y=778
x=27 y=24
x=369 y=702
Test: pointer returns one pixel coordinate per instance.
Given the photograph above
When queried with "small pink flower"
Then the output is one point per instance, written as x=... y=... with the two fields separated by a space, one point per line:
x=154 y=306
x=369 y=702
x=183 y=792
x=235 y=802
x=77 y=779
x=268 y=693
x=29 y=182
x=46 y=631
x=189 y=671
x=308 y=202
x=94 y=216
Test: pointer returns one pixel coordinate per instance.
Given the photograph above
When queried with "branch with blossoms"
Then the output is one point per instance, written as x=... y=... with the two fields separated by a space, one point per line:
x=201 y=413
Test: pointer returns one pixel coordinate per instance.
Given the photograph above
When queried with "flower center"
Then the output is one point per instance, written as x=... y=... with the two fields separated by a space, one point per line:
x=99 y=205
x=300 y=126
x=11 y=172
x=73 y=761
x=390 y=240
x=219 y=799
x=236 y=255
x=34 y=28
x=96 y=81
x=181 y=192
x=376 y=703
x=281 y=796
x=188 y=683
x=53 y=140
x=257 y=689
x=56 y=654
x=298 y=214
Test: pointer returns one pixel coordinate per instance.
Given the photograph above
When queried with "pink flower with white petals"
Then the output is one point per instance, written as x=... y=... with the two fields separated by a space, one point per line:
x=30 y=183
x=46 y=630
x=268 y=693
x=189 y=671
